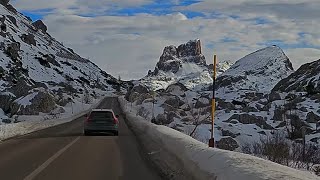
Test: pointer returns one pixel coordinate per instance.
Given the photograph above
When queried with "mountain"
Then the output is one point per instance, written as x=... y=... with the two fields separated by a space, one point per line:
x=307 y=75
x=173 y=58
x=259 y=71
x=38 y=74
x=246 y=108
x=184 y=64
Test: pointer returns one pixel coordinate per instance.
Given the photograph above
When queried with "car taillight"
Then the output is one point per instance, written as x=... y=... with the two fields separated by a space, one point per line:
x=115 y=121
x=88 y=119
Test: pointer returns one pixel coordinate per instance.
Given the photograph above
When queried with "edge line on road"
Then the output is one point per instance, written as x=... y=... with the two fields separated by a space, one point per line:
x=50 y=160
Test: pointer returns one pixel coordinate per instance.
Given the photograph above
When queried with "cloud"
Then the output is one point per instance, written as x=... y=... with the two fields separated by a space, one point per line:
x=131 y=45
x=92 y=7
x=305 y=55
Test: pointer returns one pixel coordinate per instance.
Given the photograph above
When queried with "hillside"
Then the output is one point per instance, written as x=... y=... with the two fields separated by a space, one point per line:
x=247 y=109
x=259 y=71
x=307 y=75
x=38 y=74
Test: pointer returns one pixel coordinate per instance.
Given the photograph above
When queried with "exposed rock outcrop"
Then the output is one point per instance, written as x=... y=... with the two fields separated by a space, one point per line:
x=40 y=25
x=12 y=19
x=251 y=119
x=161 y=119
x=42 y=102
x=4 y=2
x=312 y=118
x=227 y=144
x=29 y=39
x=12 y=50
x=172 y=57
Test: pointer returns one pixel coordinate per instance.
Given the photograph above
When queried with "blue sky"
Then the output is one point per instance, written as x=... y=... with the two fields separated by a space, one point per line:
x=157 y=7
x=141 y=28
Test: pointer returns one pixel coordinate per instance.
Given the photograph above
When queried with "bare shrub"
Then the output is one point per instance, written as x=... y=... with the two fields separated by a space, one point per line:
x=198 y=116
x=316 y=169
x=246 y=148
x=143 y=112
x=87 y=97
x=277 y=148
x=254 y=148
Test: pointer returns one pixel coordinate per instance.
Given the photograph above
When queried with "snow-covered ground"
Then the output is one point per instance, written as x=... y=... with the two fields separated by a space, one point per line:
x=30 y=124
x=211 y=163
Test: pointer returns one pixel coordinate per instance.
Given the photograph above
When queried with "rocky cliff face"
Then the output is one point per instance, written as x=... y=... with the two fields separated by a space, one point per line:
x=307 y=76
x=173 y=57
x=184 y=64
x=37 y=72
x=40 y=25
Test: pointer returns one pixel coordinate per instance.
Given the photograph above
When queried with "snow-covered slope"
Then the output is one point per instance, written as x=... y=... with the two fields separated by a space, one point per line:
x=258 y=71
x=40 y=74
x=307 y=75
x=246 y=108
x=201 y=161
x=222 y=67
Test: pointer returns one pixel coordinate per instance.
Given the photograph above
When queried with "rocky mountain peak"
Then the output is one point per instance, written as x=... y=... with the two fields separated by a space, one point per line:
x=191 y=48
x=173 y=57
x=258 y=71
x=4 y=2
x=261 y=60
x=187 y=50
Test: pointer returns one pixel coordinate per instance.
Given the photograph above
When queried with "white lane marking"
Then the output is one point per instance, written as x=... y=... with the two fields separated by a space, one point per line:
x=49 y=161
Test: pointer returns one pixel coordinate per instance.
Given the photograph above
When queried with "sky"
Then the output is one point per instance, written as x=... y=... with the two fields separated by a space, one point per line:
x=127 y=37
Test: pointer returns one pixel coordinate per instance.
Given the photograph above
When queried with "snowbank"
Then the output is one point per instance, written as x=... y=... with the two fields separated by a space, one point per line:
x=35 y=123
x=203 y=162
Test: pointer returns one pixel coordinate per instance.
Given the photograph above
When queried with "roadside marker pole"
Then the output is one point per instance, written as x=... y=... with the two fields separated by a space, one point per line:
x=213 y=105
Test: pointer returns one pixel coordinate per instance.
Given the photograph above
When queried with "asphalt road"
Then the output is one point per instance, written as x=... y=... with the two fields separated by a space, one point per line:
x=63 y=153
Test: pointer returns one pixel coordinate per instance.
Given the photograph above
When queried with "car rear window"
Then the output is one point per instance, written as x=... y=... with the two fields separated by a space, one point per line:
x=103 y=114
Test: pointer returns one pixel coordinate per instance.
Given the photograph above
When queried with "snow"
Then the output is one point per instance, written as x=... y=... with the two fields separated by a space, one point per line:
x=54 y=77
x=45 y=45
x=211 y=163
x=2 y=116
x=223 y=67
x=35 y=123
x=25 y=101
x=189 y=68
x=262 y=70
x=190 y=74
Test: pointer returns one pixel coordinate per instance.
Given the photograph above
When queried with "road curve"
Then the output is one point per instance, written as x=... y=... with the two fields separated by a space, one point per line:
x=63 y=153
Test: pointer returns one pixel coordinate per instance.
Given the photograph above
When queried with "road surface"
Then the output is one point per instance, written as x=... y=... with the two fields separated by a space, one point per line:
x=63 y=153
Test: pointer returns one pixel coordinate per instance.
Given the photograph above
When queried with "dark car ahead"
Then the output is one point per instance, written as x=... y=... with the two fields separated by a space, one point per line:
x=101 y=121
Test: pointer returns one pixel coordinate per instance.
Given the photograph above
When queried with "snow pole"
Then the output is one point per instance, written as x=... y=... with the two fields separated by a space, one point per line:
x=213 y=105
